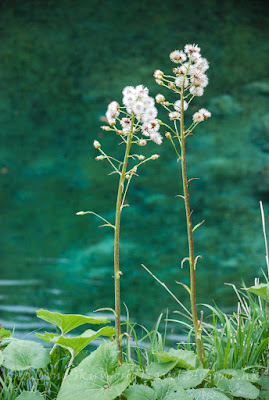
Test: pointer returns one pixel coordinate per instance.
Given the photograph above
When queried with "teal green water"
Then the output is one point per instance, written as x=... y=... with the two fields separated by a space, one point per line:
x=61 y=63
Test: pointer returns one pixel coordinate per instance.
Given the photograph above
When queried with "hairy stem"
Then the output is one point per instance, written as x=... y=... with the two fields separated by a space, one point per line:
x=117 y=272
x=197 y=329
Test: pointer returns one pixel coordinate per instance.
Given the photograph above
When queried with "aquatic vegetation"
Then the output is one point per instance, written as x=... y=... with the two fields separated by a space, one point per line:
x=228 y=358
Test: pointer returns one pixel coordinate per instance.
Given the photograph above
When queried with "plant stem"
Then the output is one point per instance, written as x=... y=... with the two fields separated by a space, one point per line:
x=192 y=262
x=117 y=272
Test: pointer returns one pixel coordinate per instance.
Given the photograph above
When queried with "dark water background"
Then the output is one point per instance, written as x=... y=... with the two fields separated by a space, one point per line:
x=61 y=63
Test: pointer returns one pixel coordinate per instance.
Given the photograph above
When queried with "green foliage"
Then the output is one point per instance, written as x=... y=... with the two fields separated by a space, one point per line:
x=21 y=355
x=67 y=322
x=30 y=396
x=239 y=340
x=1 y=358
x=156 y=370
x=261 y=290
x=207 y=394
x=4 y=333
x=185 y=358
x=98 y=377
x=192 y=378
x=162 y=389
x=76 y=344
x=237 y=387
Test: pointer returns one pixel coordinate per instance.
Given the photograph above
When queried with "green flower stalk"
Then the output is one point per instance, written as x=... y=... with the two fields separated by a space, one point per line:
x=189 y=81
x=139 y=116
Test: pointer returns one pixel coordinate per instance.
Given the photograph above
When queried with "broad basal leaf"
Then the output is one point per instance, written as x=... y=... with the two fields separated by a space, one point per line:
x=237 y=387
x=240 y=373
x=20 y=355
x=169 y=389
x=156 y=370
x=261 y=290
x=185 y=359
x=77 y=343
x=207 y=394
x=30 y=396
x=98 y=376
x=191 y=378
x=67 y=322
x=140 y=392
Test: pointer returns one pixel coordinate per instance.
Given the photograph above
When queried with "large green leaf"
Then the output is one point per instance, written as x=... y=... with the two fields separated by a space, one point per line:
x=67 y=322
x=169 y=389
x=4 y=333
x=24 y=354
x=191 y=378
x=237 y=387
x=1 y=358
x=240 y=373
x=139 y=392
x=156 y=370
x=98 y=376
x=77 y=343
x=185 y=359
x=162 y=389
x=30 y=396
x=261 y=290
x=207 y=394
x=264 y=382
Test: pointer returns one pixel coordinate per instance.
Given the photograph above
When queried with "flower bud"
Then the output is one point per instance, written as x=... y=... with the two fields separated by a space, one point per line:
x=80 y=213
x=159 y=82
x=128 y=176
x=154 y=157
x=142 y=142
x=171 y=85
x=134 y=170
x=106 y=128
x=158 y=74
x=168 y=135
x=141 y=157
x=159 y=98
x=98 y=158
x=96 y=144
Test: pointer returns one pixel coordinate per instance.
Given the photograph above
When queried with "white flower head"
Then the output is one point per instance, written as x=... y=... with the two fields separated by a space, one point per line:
x=177 y=105
x=198 y=117
x=180 y=79
x=156 y=138
x=173 y=115
x=206 y=114
x=126 y=124
x=202 y=64
x=196 y=91
x=177 y=56
x=191 y=48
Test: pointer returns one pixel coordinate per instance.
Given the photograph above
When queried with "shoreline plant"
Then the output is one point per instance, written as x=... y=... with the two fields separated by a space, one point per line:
x=230 y=356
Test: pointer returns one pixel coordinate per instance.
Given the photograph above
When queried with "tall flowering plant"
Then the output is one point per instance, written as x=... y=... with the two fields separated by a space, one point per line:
x=135 y=123
x=188 y=81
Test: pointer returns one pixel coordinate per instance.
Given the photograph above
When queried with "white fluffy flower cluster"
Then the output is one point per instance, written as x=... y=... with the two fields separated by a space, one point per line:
x=192 y=70
x=201 y=115
x=151 y=129
x=113 y=111
x=137 y=101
